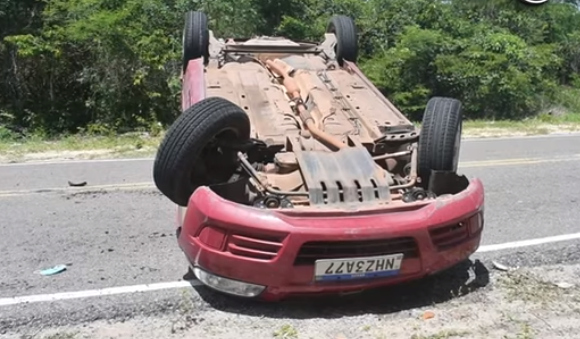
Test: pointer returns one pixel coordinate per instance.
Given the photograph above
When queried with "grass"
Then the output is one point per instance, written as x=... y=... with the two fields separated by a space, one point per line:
x=132 y=144
x=446 y=334
x=543 y=124
x=125 y=142
x=565 y=116
x=142 y=144
x=525 y=333
x=61 y=335
x=527 y=287
x=56 y=335
x=286 y=332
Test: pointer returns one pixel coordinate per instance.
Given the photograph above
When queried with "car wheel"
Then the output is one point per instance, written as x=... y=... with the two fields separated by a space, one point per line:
x=189 y=155
x=195 y=37
x=440 y=138
x=344 y=29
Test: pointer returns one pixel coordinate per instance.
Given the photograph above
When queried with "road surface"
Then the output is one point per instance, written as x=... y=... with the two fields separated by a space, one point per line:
x=119 y=231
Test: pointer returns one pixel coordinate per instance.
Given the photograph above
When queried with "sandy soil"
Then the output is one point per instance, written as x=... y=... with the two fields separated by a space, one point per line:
x=516 y=304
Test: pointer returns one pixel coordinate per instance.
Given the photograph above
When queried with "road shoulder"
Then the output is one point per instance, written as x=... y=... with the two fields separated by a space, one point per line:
x=470 y=301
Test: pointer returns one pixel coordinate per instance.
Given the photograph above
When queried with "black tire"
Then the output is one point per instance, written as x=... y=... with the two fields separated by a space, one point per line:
x=533 y=3
x=440 y=138
x=195 y=37
x=181 y=164
x=346 y=33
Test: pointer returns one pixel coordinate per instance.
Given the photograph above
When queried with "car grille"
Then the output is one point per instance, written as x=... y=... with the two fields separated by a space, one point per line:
x=312 y=251
x=449 y=236
x=256 y=247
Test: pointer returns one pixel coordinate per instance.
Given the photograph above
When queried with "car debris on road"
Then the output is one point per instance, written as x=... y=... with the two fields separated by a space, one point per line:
x=294 y=175
x=77 y=184
x=53 y=270
x=502 y=267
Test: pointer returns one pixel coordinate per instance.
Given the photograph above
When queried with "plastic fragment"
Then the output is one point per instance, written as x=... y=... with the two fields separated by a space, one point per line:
x=53 y=270
x=428 y=315
x=563 y=284
x=499 y=266
x=77 y=184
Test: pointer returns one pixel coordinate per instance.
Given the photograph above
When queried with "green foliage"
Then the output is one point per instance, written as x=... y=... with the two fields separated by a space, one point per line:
x=109 y=66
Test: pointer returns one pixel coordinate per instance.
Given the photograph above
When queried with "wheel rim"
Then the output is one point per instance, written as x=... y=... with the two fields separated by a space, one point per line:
x=227 y=133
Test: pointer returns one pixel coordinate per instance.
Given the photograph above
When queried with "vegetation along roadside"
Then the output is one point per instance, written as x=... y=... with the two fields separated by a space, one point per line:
x=94 y=75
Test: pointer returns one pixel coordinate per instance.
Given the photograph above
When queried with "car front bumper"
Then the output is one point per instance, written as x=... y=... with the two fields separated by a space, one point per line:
x=271 y=253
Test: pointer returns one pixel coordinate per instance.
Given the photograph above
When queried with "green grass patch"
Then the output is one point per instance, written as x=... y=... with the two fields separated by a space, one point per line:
x=143 y=144
x=445 y=334
x=286 y=332
x=530 y=288
x=112 y=144
x=542 y=124
x=61 y=335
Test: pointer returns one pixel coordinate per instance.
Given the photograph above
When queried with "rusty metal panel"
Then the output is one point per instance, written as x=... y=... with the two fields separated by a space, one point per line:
x=374 y=113
x=342 y=103
x=249 y=86
x=258 y=103
x=337 y=177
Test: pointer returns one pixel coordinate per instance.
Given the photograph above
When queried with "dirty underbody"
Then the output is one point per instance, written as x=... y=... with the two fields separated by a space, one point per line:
x=321 y=136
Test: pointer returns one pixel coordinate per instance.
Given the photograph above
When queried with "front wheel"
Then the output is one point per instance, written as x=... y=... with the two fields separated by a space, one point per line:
x=188 y=156
x=440 y=138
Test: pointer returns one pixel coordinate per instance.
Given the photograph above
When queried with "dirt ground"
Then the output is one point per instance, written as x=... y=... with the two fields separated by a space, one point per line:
x=540 y=302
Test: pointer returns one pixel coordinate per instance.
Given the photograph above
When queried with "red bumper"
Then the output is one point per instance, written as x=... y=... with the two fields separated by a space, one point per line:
x=278 y=250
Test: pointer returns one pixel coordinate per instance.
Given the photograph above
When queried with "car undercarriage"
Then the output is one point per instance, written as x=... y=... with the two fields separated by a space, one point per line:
x=294 y=174
x=298 y=125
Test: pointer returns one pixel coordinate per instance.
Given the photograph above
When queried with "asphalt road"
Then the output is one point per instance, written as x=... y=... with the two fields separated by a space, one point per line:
x=126 y=237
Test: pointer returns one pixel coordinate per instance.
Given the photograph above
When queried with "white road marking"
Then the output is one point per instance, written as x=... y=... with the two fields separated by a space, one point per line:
x=97 y=293
x=526 y=243
x=185 y=284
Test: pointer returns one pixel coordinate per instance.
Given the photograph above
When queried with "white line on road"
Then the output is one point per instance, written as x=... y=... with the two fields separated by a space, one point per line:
x=184 y=284
x=526 y=243
x=97 y=293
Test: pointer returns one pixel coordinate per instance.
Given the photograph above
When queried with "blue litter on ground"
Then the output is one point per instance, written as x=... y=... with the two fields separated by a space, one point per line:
x=53 y=270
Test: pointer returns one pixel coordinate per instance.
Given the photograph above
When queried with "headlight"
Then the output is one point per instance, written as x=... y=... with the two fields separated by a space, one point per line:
x=226 y=285
x=475 y=223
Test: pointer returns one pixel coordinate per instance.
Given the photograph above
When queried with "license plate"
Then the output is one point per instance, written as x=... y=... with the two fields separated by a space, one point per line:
x=358 y=268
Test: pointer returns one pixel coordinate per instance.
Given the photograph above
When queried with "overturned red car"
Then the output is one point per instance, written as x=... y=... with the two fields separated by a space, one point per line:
x=294 y=175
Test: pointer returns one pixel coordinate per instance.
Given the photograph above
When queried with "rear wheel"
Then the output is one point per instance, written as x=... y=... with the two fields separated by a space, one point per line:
x=440 y=138
x=195 y=37
x=189 y=155
x=345 y=31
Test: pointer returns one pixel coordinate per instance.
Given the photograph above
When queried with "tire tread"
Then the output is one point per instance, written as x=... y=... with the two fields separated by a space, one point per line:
x=186 y=138
x=440 y=125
